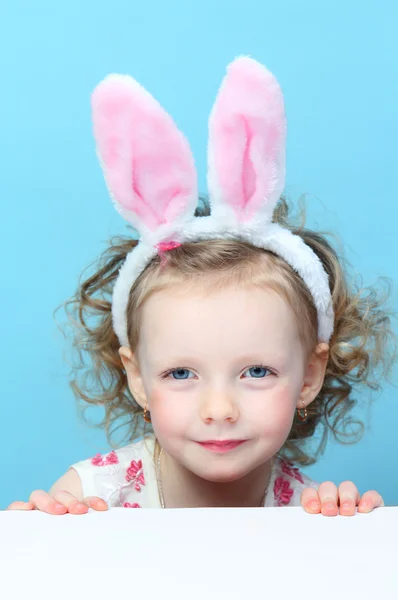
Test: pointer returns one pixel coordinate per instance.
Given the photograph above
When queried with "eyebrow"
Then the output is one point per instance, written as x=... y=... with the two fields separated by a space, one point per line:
x=244 y=359
x=176 y=359
x=253 y=356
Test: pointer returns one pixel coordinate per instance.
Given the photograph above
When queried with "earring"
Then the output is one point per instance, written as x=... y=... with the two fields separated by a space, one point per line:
x=146 y=415
x=302 y=413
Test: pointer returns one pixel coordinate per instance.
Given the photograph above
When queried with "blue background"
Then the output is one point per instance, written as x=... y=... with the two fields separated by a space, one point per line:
x=337 y=63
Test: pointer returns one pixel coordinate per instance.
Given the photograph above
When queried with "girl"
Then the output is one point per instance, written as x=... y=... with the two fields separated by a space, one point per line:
x=235 y=334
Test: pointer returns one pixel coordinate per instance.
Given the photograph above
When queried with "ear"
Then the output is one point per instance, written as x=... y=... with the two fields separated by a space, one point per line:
x=247 y=133
x=130 y=364
x=147 y=162
x=314 y=375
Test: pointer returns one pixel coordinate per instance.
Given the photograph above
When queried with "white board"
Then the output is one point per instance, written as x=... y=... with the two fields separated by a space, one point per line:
x=201 y=554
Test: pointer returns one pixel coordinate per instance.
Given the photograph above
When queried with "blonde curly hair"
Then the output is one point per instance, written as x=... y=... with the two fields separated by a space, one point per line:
x=362 y=348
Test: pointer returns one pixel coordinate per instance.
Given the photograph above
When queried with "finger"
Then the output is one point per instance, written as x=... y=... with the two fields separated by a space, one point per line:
x=71 y=503
x=369 y=501
x=18 y=505
x=328 y=495
x=348 y=498
x=95 y=503
x=310 y=501
x=46 y=503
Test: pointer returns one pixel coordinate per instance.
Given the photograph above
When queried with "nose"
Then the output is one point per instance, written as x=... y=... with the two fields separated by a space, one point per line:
x=219 y=406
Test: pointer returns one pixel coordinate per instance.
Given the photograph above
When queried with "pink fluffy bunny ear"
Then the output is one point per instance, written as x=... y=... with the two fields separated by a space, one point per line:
x=147 y=162
x=247 y=133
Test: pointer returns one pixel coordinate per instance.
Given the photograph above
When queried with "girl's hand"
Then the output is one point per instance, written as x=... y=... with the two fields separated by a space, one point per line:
x=330 y=500
x=65 y=496
x=59 y=504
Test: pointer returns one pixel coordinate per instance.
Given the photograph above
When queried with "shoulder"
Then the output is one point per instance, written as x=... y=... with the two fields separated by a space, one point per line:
x=118 y=475
x=112 y=461
x=287 y=484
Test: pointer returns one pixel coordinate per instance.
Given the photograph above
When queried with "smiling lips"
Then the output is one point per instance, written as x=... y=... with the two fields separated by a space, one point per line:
x=221 y=446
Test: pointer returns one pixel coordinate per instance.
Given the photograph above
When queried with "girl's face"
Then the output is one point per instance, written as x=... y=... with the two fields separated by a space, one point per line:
x=222 y=373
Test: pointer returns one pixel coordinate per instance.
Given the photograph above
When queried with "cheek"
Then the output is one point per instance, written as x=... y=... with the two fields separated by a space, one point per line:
x=169 y=414
x=277 y=411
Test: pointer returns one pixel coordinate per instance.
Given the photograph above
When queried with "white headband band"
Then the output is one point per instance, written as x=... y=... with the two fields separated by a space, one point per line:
x=151 y=176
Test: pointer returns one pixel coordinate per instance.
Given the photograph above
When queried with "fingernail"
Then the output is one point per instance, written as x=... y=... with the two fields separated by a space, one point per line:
x=329 y=506
x=59 y=507
x=314 y=505
x=363 y=506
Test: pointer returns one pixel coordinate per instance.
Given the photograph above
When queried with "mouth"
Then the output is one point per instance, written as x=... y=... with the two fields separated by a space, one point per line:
x=221 y=446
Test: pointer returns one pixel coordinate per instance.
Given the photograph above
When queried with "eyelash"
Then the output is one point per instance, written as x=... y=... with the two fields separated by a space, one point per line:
x=271 y=371
x=170 y=371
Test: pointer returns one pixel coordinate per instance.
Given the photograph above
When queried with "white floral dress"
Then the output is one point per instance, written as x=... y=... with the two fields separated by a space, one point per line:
x=127 y=478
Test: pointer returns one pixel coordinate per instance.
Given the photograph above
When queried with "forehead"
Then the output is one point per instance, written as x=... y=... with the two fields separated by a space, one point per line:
x=201 y=319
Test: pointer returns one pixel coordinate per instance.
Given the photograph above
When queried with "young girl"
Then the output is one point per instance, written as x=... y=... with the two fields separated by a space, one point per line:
x=234 y=334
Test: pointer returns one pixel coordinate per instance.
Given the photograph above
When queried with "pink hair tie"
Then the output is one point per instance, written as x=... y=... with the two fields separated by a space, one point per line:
x=163 y=247
x=166 y=246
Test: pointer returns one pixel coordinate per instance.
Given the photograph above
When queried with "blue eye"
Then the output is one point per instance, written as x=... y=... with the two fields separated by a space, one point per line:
x=181 y=374
x=257 y=372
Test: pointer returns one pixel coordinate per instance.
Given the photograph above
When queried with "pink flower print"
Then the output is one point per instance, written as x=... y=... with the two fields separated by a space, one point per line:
x=128 y=505
x=282 y=492
x=292 y=471
x=103 y=461
x=135 y=473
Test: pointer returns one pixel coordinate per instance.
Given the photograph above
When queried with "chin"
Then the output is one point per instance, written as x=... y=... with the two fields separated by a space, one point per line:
x=216 y=474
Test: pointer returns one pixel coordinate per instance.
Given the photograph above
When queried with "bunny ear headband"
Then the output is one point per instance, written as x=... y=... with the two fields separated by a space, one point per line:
x=151 y=176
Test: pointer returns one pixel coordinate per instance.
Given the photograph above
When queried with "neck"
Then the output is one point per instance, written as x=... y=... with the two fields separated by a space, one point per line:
x=184 y=489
